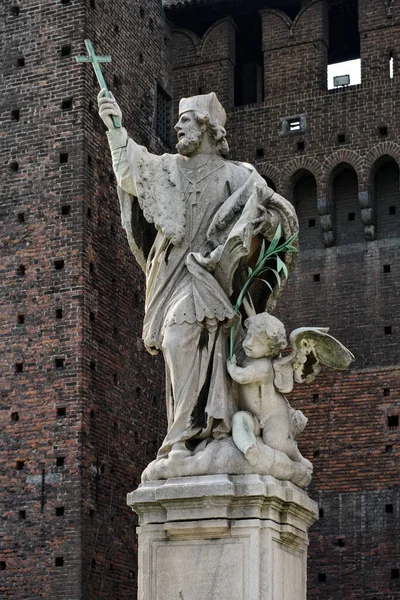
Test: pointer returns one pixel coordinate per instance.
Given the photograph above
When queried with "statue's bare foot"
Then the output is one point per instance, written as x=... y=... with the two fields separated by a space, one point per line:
x=252 y=454
x=179 y=450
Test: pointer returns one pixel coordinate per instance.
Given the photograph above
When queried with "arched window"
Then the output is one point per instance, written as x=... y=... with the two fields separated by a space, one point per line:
x=305 y=203
x=349 y=227
x=387 y=197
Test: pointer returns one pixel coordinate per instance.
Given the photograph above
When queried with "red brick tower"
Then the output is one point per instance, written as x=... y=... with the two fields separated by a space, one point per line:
x=335 y=153
x=82 y=408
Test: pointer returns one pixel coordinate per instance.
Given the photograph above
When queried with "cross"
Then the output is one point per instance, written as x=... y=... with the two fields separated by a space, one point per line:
x=95 y=60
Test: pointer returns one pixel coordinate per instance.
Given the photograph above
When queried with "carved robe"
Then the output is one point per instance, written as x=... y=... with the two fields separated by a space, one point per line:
x=193 y=205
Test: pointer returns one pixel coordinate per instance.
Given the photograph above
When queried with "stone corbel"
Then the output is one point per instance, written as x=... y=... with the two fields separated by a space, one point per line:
x=326 y=221
x=367 y=215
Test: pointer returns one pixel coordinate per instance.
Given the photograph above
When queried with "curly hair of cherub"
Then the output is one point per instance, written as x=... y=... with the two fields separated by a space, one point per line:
x=271 y=326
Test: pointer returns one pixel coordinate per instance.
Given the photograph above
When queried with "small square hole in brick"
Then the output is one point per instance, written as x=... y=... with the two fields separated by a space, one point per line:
x=19 y=367
x=386 y=391
x=301 y=146
x=115 y=379
x=386 y=268
x=388 y=508
x=60 y=461
x=315 y=397
x=60 y=510
x=92 y=4
x=116 y=81
x=3 y=565
x=92 y=316
x=388 y=330
x=66 y=50
x=316 y=453
x=21 y=270
x=395 y=573
x=260 y=152
x=65 y=1
x=340 y=542
x=14 y=10
x=321 y=513
x=14 y=166
x=92 y=365
x=22 y=515
x=116 y=28
x=351 y=216
x=65 y=210
x=383 y=130
x=21 y=218
x=393 y=421
x=89 y=160
x=341 y=138
x=89 y=213
x=59 y=363
x=392 y=210
x=63 y=158
x=59 y=562
x=15 y=114
x=317 y=278
x=20 y=465
x=93 y=563
x=91 y=513
x=61 y=412
x=20 y=62
x=21 y=319
x=91 y=267
x=59 y=264
x=321 y=577
x=59 y=313
x=15 y=417
x=311 y=222
x=66 y=104
x=389 y=449
x=93 y=414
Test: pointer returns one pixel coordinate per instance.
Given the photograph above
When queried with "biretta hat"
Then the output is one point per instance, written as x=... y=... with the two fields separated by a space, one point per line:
x=206 y=103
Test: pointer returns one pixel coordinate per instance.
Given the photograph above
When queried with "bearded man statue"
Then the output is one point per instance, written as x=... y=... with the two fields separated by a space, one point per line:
x=194 y=222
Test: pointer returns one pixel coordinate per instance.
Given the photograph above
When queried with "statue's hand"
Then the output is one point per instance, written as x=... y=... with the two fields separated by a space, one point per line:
x=231 y=364
x=107 y=108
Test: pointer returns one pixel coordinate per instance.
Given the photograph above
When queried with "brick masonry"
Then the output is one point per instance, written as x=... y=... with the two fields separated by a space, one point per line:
x=98 y=412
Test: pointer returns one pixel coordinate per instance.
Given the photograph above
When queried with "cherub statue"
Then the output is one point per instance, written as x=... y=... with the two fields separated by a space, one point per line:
x=265 y=376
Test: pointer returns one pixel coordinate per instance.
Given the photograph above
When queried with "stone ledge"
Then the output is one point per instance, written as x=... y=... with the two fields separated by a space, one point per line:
x=223 y=497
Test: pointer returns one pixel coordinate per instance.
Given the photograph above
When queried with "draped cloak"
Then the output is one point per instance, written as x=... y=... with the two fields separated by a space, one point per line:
x=177 y=213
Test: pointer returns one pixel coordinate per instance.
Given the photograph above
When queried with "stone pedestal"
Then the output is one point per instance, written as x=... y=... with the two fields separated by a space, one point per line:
x=222 y=537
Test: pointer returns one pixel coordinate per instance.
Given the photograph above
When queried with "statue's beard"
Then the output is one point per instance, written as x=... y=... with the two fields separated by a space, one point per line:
x=189 y=143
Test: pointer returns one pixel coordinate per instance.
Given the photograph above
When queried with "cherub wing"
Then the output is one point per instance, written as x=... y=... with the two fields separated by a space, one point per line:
x=313 y=347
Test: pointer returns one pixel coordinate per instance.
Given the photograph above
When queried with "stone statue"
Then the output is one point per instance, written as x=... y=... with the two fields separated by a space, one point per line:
x=265 y=376
x=195 y=223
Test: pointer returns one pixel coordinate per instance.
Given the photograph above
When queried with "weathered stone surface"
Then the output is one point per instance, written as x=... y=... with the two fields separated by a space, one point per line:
x=222 y=538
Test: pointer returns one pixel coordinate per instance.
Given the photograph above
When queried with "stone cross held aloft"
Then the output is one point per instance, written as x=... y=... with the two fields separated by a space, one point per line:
x=95 y=60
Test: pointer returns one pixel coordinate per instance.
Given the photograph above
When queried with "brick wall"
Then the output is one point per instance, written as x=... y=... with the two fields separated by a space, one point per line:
x=82 y=406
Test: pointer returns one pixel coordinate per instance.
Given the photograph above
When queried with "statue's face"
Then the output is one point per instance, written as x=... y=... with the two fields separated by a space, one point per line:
x=189 y=134
x=258 y=343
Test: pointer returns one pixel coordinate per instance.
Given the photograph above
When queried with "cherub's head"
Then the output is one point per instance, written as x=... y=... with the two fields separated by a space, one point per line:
x=265 y=336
